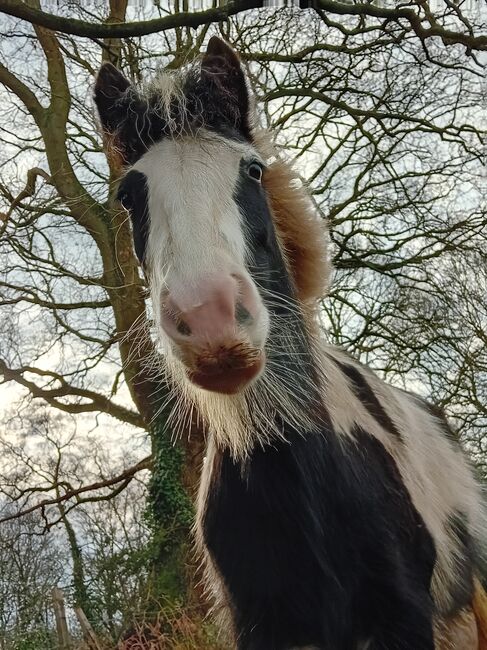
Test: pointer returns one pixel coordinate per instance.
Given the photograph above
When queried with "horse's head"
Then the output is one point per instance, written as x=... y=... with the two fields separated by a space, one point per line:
x=202 y=220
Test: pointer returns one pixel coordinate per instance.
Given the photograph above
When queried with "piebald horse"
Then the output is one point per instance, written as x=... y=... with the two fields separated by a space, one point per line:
x=335 y=512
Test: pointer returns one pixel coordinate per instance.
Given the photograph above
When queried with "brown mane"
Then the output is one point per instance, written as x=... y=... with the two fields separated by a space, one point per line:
x=301 y=233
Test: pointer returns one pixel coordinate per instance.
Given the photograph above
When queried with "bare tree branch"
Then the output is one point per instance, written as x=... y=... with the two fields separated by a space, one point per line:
x=231 y=8
x=125 y=30
x=411 y=15
x=28 y=191
x=24 y=93
x=96 y=402
x=124 y=478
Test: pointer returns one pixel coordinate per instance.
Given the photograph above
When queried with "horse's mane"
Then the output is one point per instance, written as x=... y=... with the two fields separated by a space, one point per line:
x=302 y=234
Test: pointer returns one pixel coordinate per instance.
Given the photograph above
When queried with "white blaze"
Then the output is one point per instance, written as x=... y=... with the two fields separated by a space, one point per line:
x=195 y=226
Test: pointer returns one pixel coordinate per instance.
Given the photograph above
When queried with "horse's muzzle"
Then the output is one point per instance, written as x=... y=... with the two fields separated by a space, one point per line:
x=228 y=369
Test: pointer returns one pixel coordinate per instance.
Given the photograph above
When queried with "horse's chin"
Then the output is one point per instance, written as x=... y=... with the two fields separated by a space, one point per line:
x=225 y=380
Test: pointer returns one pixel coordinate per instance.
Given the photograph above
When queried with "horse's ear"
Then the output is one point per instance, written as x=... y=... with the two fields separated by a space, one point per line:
x=221 y=67
x=217 y=48
x=125 y=116
x=111 y=97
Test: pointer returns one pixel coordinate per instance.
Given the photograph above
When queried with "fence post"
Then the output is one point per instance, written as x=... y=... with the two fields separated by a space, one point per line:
x=88 y=631
x=61 y=623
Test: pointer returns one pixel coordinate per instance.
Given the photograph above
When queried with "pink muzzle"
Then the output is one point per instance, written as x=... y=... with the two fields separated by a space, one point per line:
x=209 y=325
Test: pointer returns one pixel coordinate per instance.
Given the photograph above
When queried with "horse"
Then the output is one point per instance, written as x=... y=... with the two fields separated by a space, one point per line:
x=335 y=512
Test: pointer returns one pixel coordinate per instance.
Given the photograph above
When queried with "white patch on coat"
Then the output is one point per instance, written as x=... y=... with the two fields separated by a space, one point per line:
x=435 y=472
x=195 y=225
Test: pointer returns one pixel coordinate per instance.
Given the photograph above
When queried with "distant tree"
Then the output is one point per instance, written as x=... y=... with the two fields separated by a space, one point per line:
x=117 y=550
x=29 y=566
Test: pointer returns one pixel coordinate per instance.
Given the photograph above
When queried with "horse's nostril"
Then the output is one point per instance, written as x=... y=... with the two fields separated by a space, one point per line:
x=183 y=328
x=243 y=316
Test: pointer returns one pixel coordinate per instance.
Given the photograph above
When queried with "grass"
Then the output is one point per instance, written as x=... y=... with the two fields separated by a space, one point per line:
x=173 y=629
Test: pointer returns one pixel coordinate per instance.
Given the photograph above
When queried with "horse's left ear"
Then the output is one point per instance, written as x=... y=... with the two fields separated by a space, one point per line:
x=222 y=69
x=111 y=97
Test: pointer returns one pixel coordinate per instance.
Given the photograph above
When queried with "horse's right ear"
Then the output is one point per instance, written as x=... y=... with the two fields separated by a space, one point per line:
x=111 y=97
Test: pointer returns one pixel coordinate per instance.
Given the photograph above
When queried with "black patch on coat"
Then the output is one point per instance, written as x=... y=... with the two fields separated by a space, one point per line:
x=318 y=543
x=133 y=195
x=462 y=591
x=368 y=398
x=137 y=122
x=288 y=350
x=266 y=260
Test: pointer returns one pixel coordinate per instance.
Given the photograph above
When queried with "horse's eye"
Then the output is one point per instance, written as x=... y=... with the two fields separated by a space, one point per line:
x=255 y=171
